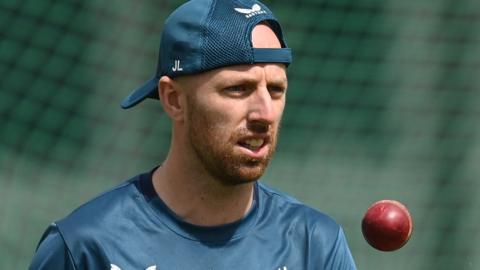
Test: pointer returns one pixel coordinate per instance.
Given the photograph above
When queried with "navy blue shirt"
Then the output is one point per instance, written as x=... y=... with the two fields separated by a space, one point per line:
x=129 y=227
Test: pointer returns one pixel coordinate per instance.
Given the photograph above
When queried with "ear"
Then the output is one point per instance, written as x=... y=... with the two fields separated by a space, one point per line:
x=171 y=96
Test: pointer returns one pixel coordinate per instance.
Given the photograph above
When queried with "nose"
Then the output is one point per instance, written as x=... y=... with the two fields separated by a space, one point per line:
x=261 y=112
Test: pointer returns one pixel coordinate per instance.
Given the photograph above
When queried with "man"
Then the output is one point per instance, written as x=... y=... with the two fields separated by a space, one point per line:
x=221 y=79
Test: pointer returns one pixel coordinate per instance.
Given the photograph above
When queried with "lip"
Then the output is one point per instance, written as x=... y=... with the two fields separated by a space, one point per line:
x=259 y=153
x=255 y=154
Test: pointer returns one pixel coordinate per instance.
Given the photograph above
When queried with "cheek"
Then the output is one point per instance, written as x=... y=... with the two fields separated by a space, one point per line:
x=210 y=121
x=279 y=107
x=223 y=114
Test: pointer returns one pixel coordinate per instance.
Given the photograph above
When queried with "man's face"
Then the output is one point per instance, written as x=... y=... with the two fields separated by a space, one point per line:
x=233 y=117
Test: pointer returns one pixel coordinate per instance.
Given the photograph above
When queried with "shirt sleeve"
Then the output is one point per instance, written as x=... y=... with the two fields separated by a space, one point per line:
x=340 y=257
x=52 y=252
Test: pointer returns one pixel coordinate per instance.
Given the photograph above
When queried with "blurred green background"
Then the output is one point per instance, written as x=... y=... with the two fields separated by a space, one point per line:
x=383 y=102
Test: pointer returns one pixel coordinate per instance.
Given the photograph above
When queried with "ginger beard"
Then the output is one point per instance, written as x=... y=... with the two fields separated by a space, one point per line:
x=217 y=147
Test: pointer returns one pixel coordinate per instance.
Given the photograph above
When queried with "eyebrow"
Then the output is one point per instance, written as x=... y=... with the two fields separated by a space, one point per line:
x=282 y=81
x=232 y=80
x=247 y=79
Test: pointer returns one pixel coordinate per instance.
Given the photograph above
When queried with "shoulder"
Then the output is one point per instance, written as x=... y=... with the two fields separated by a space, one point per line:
x=306 y=228
x=109 y=214
x=52 y=253
x=297 y=213
x=108 y=204
x=98 y=225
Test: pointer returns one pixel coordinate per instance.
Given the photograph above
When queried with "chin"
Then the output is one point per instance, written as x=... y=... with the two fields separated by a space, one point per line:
x=244 y=174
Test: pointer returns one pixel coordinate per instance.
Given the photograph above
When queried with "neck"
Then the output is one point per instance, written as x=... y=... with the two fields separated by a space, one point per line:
x=198 y=198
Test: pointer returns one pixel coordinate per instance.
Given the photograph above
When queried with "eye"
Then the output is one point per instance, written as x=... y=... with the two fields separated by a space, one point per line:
x=277 y=91
x=237 y=90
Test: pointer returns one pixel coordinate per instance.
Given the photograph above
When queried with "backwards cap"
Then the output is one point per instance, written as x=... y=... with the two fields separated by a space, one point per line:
x=202 y=35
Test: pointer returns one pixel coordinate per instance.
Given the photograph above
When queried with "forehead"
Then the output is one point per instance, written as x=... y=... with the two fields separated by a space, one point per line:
x=257 y=72
x=269 y=73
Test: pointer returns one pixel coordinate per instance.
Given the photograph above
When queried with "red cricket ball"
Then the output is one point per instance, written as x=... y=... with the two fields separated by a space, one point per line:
x=387 y=225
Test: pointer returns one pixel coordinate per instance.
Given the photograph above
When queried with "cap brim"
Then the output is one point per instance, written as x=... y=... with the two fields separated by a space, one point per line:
x=148 y=89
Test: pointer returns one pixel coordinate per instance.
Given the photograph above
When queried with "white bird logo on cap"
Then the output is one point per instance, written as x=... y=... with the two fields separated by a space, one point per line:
x=255 y=8
x=249 y=12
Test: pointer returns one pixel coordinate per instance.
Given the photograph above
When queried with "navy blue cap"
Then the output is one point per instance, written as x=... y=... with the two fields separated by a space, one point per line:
x=202 y=35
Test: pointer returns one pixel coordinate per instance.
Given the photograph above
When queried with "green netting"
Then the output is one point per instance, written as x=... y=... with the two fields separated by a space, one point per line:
x=383 y=102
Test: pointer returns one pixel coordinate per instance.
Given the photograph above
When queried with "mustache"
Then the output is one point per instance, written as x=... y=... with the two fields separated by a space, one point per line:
x=266 y=131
